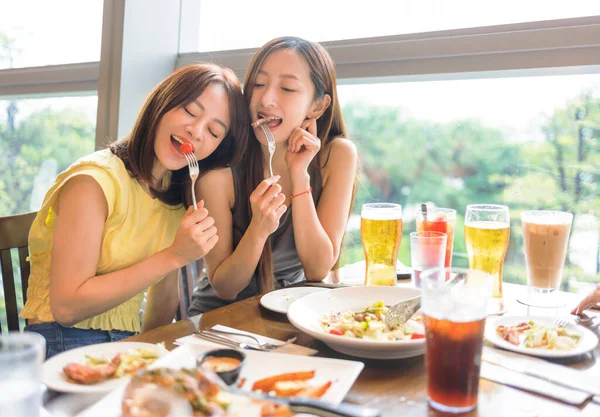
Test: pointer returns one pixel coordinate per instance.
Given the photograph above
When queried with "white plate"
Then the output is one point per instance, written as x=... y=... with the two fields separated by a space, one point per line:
x=258 y=365
x=306 y=314
x=280 y=300
x=588 y=339
x=54 y=378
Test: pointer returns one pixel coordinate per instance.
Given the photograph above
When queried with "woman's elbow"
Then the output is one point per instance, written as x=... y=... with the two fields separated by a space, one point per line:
x=64 y=316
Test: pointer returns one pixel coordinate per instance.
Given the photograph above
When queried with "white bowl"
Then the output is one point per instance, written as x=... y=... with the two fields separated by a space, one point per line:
x=306 y=313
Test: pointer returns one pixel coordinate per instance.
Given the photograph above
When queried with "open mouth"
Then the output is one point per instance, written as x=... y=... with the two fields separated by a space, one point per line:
x=270 y=121
x=177 y=144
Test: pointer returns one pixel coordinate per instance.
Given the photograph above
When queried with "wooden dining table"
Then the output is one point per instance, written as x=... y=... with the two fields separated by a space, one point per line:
x=396 y=387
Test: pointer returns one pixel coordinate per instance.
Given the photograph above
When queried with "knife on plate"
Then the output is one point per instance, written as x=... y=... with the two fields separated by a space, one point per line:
x=312 y=406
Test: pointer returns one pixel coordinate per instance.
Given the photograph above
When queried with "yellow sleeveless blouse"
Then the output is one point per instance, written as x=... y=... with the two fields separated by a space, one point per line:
x=136 y=227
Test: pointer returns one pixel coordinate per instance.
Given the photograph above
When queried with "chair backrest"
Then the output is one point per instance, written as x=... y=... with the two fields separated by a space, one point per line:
x=189 y=276
x=14 y=233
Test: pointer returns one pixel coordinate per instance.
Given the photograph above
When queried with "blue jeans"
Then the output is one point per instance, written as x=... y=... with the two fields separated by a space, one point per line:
x=60 y=338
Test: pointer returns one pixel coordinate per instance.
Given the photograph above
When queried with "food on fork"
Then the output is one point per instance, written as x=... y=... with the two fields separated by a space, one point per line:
x=96 y=370
x=187 y=147
x=200 y=388
x=264 y=120
x=543 y=336
x=369 y=324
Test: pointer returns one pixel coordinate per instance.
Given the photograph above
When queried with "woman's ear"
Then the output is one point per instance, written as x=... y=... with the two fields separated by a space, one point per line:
x=319 y=107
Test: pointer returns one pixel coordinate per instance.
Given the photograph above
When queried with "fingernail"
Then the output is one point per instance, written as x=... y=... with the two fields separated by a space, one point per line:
x=276 y=177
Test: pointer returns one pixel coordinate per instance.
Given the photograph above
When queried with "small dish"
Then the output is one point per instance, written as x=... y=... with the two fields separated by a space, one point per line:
x=227 y=363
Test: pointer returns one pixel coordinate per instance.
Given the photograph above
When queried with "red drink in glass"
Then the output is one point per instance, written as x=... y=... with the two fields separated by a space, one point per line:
x=439 y=220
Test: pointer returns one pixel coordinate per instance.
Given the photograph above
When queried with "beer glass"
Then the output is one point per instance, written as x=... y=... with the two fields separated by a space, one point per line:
x=381 y=232
x=487 y=230
x=454 y=313
x=438 y=219
x=545 y=238
x=21 y=357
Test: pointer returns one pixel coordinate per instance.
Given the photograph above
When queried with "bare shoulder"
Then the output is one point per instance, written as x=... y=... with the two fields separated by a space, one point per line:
x=341 y=157
x=217 y=183
x=82 y=191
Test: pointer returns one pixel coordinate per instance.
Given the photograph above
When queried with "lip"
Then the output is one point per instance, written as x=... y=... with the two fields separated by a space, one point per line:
x=175 y=150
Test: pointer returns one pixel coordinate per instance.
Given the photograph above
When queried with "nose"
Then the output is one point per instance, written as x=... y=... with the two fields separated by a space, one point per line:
x=268 y=98
x=194 y=130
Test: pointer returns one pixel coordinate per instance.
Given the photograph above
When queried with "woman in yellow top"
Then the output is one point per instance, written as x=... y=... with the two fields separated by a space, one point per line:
x=114 y=224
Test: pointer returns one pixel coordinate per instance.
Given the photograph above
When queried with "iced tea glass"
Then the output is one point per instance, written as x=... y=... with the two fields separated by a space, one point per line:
x=455 y=313
x=487 y=231
x=427 y=250
x=545 y=241
x=381 y=232
x=438 y=219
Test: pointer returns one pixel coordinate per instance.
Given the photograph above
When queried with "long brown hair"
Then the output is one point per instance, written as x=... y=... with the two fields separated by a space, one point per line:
x=329 y=126
x=136 y=150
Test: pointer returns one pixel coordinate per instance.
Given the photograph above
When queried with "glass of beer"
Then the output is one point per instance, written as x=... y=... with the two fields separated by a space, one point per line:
x=438 y=219
x=381 y=232
x=487 y=230
x=545 y=237
x=454 y=313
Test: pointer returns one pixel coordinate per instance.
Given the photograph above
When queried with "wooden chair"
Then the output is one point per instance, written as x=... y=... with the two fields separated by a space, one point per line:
x=14 y=233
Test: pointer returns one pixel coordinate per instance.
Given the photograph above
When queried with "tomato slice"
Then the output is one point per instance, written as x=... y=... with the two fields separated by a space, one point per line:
x=417 y=336
x=337 y=332
x=187 y=147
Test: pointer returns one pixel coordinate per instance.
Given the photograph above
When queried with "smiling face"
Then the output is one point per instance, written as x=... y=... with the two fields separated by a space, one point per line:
x=283 y=89
x=204 y=122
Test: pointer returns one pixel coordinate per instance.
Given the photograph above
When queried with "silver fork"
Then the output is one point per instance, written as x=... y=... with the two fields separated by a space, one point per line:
x=265 y=345
x=399 y=313
x=270 y=139
x=270 y=145
x=561 y=322
x=233 y=343
x=194 y=172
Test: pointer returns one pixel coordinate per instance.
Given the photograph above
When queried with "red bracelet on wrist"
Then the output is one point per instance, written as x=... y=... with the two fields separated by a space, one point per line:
x=302 y=193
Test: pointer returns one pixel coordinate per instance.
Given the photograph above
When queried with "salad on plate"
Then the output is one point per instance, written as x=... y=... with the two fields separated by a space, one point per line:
x=369 y=324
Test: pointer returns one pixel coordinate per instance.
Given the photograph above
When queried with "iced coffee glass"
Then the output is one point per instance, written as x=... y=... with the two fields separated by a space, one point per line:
x=545 y=241
x=455 y=313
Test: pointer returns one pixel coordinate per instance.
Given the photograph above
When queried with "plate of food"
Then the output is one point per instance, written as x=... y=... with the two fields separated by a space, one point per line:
x=277 y=374
x=352 y=321
x=98 y=368
x=280 y=300
x=539 y=336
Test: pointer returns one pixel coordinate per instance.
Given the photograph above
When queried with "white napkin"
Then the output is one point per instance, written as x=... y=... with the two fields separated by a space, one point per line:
x=291 y=348
x=581 y=385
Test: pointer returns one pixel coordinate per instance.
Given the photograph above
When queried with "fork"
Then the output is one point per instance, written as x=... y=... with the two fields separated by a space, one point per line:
x=270 y=145
x=264 y=345
x=561 y=322
x=194 y=172
x=232 y=343
x=399 y=313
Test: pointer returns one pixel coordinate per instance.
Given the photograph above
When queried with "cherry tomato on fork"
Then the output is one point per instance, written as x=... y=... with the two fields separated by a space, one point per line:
x=187 y=147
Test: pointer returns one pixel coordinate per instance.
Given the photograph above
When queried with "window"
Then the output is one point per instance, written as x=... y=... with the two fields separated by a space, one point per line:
x=221 y=22
x=527 y=142
x=37 y=33
x=38 y=139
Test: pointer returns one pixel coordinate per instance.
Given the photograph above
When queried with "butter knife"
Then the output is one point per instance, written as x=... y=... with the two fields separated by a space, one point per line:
x=517 y=365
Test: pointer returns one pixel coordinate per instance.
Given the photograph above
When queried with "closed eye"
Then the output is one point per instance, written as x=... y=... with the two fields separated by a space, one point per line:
x=212 y=133
x=257 y=85
x=188 y=112
x=289 y=90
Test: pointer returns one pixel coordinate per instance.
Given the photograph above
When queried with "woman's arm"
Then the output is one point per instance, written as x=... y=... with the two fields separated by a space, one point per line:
x=161 y=302
x=76 y=292
x=318 y=231
x=229 y=271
